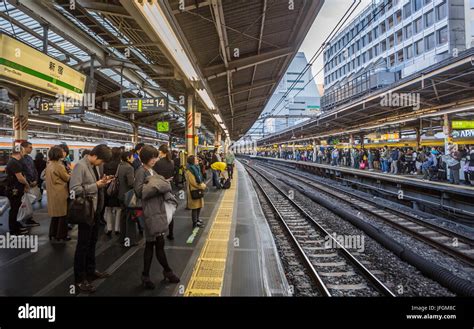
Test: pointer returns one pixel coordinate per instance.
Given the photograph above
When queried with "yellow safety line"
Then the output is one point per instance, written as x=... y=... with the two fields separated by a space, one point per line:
x=208 y=273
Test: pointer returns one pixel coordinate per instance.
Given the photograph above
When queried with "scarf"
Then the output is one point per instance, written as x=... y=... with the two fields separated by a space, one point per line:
x=196 y=171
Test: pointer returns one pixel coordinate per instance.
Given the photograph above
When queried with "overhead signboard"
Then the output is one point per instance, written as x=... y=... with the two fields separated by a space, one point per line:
x=27 y=67
x=463 y=124
x=197 y=120
x=143 y=105
x=57 y=108
x=163 y=126
x=468 y=133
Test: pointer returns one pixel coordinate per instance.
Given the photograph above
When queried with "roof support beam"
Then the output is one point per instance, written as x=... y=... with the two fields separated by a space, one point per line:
x=218 y=71
x=245 y=88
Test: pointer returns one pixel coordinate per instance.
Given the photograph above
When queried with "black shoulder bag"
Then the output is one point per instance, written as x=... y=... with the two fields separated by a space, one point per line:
x=81 y=209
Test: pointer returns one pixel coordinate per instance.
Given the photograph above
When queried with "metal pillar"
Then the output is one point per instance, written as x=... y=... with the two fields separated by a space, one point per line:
x=135 y=129
x=351 y=141
x=447 y=133
x=190 y=149
x=418 y=138
x=45 y=38
x=20 y=117
x=315 y=151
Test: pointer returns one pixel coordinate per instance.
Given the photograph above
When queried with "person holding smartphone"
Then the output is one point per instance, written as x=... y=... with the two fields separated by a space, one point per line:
x=88 y=177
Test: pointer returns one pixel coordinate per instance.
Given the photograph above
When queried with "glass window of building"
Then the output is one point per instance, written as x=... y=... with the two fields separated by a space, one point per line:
x=400 y=57
x=375 y=33
x=407 y=10
x=430 y=42
x=383 y=45
x=382 y=27
x=398 y=17
x=441 y=11
x=409 y=52
x=443 y=35
x=376 y=50
x=369 y=37
x=389 y=22
x=419 y=47
x=391 y=60
x=408 y=31
x=391 y=41
x=399 y=36
x=417 y=4
x=429 y=18
x=428 y=1
x=418 y=25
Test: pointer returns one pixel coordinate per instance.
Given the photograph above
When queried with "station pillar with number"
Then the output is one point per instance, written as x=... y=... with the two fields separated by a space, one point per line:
x=190 y=109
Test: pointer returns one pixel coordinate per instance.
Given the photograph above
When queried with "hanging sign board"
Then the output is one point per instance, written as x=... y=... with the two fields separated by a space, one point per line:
x=163 y=127
x=59 y=108
x=143 y=105
x=27 y=67
x=468 y=133
x=463 y=125
x=197 y=120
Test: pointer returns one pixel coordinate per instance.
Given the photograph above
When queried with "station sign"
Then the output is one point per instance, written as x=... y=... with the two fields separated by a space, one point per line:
x=27 y=67
x=144 y=105
x=59 y=108
x=467 y=133
x=163 y=126
x=463 y=124
x=197 y=119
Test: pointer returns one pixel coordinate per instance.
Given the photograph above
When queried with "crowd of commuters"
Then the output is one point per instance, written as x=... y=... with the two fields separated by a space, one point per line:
x=431 y=163
x=113 y=179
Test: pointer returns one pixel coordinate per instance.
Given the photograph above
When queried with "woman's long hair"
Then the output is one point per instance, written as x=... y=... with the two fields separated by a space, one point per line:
x=164 y=149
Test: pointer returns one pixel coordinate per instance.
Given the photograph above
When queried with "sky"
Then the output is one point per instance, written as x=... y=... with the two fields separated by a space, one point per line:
x=328 y=17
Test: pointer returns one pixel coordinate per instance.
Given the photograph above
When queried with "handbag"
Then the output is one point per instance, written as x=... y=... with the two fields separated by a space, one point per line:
x=81 y=210
x=197 y=194
x=131 y=201
x=114 y=186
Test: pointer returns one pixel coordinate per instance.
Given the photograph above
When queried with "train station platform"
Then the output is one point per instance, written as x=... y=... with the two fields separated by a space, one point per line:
x=234 y=254
x=454 y=198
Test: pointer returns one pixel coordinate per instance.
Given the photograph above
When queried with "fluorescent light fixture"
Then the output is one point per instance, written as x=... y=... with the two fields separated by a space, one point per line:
x=206 y=99
x=218 y=118
x=45 y=122
x=456 y=110
x=85 y=128
x=157 y=19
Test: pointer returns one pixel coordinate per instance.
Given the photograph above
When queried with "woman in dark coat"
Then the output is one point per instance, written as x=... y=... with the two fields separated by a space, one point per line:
x=113 y=211
x=148 y=157
x=165 y=168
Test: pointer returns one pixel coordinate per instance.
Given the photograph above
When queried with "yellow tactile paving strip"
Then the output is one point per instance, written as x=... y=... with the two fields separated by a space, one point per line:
x=208 y=273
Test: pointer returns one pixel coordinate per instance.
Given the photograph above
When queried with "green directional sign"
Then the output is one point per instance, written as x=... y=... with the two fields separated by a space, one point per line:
x=163 y=127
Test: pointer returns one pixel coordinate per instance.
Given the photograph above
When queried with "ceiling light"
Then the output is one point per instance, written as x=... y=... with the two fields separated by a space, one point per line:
x=85 y=128
x=45 y=122
x=157 y=19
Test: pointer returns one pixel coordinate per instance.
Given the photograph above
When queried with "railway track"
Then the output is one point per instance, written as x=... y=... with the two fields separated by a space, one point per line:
x=444 y=240
x=335 y=270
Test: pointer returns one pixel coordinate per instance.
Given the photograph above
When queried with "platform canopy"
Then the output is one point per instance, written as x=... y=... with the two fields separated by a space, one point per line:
x=231 y=54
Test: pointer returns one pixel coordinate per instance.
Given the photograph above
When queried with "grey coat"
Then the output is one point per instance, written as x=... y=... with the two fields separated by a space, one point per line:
x=83 y=179
x=156 y=191
x=126 y=179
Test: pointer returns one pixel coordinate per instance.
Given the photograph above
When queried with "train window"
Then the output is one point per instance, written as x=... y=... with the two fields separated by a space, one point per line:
x=4 y=156
x=71 y=155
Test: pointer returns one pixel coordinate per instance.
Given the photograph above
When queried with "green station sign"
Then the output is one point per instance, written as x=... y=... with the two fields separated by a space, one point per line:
x=163 y=127
x=463 y=124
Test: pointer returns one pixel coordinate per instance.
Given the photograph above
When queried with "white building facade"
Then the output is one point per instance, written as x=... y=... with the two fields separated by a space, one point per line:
x=283 y=111
x=392 y=39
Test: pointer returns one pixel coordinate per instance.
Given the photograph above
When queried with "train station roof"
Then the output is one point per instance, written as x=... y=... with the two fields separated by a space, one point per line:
x=237 y=53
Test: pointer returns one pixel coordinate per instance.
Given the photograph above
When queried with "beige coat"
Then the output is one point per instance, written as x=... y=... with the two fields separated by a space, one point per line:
x=57 y=179
x=190 y=186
